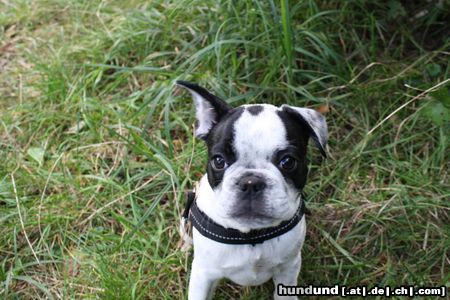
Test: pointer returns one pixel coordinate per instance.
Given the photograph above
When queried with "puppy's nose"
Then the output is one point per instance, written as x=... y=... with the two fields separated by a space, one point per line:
x=251 y=184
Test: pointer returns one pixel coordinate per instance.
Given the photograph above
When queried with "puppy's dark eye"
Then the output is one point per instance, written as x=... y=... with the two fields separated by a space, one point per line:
x=218 y=163
x=287 y=163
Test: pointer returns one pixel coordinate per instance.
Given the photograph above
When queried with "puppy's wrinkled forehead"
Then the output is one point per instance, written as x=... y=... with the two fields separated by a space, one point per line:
x=259 y=132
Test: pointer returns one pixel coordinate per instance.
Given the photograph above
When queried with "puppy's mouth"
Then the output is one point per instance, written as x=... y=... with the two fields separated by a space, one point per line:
x=251 y=210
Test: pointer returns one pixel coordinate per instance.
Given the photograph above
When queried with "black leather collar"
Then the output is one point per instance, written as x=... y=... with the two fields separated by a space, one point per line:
x=210 y=229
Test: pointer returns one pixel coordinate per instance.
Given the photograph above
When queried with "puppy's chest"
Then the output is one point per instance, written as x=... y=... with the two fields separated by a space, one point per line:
x=248 y=267
x=255 y=266
x=253 y=260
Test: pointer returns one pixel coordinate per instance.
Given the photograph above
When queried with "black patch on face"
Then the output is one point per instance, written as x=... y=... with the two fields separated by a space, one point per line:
x=220 y=142
x=255 y=109
x=297 y=136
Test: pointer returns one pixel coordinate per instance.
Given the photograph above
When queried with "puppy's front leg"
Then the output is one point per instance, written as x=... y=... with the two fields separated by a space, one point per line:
x=201 y=283
x=287 y=275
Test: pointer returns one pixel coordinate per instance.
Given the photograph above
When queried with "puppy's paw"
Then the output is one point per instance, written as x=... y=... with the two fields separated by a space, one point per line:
x=185 y=229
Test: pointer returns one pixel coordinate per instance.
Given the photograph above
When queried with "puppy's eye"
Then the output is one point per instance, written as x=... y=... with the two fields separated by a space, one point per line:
x=218 y=163
x=288 y=163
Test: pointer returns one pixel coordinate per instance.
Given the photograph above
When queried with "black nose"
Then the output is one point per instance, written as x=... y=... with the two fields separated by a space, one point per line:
x=251 y=184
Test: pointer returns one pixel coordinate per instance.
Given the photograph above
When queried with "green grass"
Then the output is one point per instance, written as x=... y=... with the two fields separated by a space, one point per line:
x=97 y=149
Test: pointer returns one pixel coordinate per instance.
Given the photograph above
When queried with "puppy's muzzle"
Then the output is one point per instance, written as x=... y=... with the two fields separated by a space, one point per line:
x=251 y=186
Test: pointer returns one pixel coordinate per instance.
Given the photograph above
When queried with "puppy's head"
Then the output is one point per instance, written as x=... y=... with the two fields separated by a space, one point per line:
x=257 y=157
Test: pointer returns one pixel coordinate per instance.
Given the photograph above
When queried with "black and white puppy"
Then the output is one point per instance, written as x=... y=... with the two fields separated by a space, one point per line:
x=248 y=224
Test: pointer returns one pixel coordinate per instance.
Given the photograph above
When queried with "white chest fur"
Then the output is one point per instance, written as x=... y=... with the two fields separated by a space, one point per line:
x=248 y=264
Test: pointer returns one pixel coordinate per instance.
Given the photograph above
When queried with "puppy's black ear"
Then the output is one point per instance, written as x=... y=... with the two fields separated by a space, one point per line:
x=209 y=109
x=313 y=121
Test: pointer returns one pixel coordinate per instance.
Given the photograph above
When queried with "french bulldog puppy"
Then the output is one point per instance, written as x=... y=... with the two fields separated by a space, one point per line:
x=247 y=216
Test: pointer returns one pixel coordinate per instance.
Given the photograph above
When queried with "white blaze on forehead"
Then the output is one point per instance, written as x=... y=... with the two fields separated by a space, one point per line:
x=258 y=136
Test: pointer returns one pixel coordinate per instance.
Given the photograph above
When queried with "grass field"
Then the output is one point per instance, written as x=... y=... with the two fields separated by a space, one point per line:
x=97 y=148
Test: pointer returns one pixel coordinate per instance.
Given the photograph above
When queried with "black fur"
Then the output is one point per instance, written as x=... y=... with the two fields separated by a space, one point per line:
x=299 y=119
x=255 y=109
x=297 y=136
x=220 y=142
x=221 y=108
